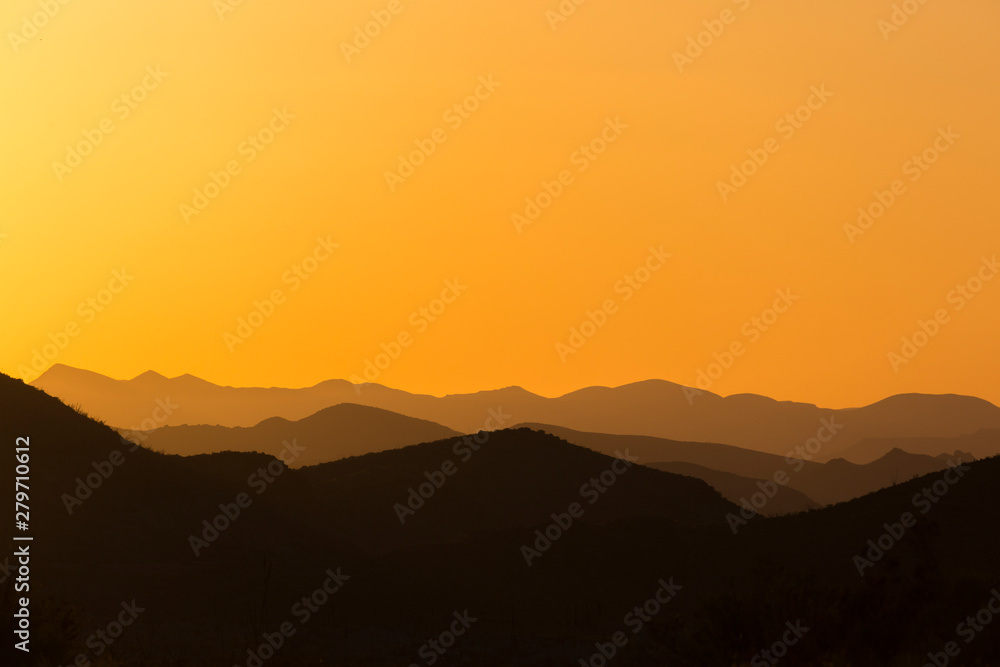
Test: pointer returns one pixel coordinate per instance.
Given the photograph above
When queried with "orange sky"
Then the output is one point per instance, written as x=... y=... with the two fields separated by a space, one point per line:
x=197 y=86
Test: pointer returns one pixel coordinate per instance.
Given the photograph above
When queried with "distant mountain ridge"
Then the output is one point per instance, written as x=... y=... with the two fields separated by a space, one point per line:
x=653 y=407
x=735 y=488
x=333 y=433
x=736 y=472
x=981 y=444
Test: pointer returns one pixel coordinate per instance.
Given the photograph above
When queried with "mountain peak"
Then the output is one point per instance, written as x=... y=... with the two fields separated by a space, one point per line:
x=511 y=391
x=148 y=376
x=59 y=374
x=919 y=401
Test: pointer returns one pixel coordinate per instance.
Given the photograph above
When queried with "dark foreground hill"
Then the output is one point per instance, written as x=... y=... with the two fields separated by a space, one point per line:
x=453 y=490
x=659 y=563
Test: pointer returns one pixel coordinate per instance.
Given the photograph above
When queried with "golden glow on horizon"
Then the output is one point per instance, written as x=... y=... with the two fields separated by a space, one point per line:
x=655 y=185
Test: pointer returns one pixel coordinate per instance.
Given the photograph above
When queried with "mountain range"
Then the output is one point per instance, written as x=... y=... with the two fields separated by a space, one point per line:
x=332 y=433
x=652 y=408
x=741 y=473
x=880 y=580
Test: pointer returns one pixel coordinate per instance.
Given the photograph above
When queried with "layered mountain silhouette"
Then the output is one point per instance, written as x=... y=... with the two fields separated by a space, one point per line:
x=654 y=408
x=982 y=444
x=330 y=434
x=740 y=473
x=870 y=590
x=119 y=521
x=736 y=488
x=513 y=478
x=348 y=430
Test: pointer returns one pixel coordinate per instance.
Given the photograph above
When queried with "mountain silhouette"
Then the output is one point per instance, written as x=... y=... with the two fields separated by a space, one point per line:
x=823 y=483
x=654 y=408
x=737 y=585
x=332 y=433
x=735 y=488
x=516 y=477
x=982 y=444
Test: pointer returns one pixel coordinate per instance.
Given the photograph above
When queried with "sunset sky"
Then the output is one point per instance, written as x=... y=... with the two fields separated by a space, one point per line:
x=184 y=84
